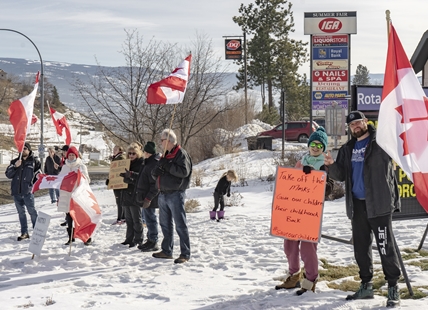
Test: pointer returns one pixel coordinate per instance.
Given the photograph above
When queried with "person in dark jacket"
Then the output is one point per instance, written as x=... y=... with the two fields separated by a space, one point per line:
x=172 y=174
x=371 y=197
x=118 y=155
x=222 y=188
x=53 y=167
x=134 y=223
x=23 y=171
x=147 y=197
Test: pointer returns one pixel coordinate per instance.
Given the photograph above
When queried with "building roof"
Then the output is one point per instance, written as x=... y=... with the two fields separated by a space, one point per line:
x=420 y=55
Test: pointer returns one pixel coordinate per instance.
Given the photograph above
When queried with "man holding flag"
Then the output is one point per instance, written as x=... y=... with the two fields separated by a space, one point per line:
x=23 y=170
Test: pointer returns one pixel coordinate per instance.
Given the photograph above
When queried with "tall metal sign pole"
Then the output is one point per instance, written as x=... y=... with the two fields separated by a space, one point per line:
x=42 y=99
x=233 y=50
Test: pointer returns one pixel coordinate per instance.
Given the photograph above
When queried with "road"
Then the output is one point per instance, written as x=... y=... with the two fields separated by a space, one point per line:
x=92 y=170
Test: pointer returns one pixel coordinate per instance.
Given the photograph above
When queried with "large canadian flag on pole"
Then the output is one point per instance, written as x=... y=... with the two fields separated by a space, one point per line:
x=171 y=89
x=403 y=118
x=84 y=209
x=60 y=123
x=20 y=115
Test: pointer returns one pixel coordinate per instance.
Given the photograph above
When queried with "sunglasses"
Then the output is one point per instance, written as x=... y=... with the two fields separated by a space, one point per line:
x=317 y=145
x=132 y=153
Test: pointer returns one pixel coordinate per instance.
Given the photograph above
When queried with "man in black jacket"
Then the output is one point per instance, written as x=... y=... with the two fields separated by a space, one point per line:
x=172 y=175
x=23 y=170
x=53 y=167
x=371 y=198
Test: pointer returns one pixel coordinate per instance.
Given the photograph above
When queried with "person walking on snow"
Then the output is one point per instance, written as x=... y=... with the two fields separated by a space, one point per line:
x=23 y=171
x=307 y=251
x=372 y=196
x=222 y=188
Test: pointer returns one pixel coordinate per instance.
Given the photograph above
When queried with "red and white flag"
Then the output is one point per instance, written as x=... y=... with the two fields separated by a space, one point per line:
x=20 y=115
x=84 y=209
x=171 y=89
x=60 y=123
x=48 y=181
x=34 y=119
x=403 y=118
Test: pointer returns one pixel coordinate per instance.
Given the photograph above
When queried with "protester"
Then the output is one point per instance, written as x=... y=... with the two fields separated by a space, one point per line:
x=64 y=150
x=134 y=223
x=371 y=197
x=53 y=167
x=147 y=197
x=72 y=163
x=23 y=171
x=172 y=174
x=118 y=155
x=222 y=188
x=307 y=251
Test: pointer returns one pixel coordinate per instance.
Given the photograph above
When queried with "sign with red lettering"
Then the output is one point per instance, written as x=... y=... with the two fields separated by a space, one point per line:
x=233 y=49
x=298 y=204
x=330 y=76
x=330 y=23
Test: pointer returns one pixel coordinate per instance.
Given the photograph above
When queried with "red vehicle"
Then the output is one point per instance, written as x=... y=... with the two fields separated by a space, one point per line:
x=294 y=131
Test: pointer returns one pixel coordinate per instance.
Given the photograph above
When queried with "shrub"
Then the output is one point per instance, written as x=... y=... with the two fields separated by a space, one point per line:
x=191 y=205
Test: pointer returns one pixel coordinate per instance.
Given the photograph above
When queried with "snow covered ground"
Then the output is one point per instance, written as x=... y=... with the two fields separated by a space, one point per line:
x=231 y=267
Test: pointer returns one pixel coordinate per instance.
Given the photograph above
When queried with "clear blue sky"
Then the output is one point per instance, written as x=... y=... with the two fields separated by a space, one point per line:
x=75 y=31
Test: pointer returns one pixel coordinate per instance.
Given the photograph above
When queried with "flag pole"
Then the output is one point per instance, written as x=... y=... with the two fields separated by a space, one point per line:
x=71 y=238
x=388 y=22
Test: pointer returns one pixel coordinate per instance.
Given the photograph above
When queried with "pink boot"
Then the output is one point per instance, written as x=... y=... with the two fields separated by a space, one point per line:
x=212 y=215
x=220 y=215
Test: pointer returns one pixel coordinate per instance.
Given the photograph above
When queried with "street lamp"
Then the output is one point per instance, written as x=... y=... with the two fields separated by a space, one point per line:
x=41 y=146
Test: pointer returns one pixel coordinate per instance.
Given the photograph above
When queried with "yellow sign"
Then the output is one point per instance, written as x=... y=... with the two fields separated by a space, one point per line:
x=298 y=203
x=116 y=168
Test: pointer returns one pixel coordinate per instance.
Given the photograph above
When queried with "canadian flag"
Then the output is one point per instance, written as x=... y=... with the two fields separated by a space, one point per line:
x=20 y=115
x=84 y=209
x=60 y=123
x=403 y=118
x=171 y=89
x=48 y=181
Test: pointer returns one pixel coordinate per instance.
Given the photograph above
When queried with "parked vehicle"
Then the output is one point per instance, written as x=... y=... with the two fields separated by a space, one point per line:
x=294 y=131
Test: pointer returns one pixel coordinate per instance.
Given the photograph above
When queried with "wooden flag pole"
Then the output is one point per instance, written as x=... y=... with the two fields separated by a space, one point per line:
x=388 y=21
x=71 y=238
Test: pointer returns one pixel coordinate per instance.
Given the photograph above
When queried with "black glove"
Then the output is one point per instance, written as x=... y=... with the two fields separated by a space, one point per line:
x=159 y=170
x=307 y=169
x=146 y=203
x=126 y=174
x=107 y=181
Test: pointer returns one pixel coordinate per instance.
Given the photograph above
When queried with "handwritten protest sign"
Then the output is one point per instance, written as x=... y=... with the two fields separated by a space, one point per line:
x=39 y=233
x=298 y=203
x=116 y=168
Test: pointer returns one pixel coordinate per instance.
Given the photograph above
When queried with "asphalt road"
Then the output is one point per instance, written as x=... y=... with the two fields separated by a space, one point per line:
x=92 y=170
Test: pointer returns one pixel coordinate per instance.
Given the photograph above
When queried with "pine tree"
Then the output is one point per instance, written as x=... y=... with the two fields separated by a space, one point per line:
x=361 y=76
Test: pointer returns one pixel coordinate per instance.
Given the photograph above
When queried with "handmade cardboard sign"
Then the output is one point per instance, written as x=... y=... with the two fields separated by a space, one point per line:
x=116 y=168
x=39 y=233
x=298 y=203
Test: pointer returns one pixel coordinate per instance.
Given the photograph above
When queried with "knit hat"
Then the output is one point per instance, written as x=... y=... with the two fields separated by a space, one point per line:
x=28 y=146
x=73 y=150
x=150 y=147
x=65 y=148
x=354 y=116
x=319 y=135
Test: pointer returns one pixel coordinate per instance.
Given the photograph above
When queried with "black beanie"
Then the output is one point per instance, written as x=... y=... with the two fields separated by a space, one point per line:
x=150 y=147
x=28 y=146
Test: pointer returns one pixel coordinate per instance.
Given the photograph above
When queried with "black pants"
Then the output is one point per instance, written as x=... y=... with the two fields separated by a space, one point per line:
x=118 y=197
x=363 y=229
x=218 y=198
x=134 y=224
x=69 y=220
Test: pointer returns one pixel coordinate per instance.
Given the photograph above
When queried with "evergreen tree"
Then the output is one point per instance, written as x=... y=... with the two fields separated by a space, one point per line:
x=361 y=76
x=273 y=57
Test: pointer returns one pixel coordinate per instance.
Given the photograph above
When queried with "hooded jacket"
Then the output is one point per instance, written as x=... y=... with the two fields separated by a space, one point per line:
x=381 y=188
x=24 y=176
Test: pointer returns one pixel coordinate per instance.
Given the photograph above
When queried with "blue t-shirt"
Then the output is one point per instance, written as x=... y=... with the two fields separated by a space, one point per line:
x=357 y=161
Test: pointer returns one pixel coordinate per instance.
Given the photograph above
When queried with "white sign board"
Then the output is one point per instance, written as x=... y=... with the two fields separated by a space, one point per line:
x=39 y=233
x=330 y=23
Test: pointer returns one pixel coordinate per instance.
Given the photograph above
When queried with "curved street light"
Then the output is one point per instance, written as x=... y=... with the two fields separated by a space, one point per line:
x=41 y=148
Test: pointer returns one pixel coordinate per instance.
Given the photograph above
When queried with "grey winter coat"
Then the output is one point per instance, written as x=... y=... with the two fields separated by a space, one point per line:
x=382 y=195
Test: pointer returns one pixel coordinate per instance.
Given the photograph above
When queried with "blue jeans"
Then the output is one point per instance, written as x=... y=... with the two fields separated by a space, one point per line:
x=54 y=193
x=171 y=207
x=22 y=201
x=152 y=224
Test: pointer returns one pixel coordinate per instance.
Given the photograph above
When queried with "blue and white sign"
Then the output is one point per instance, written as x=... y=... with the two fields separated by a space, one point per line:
x=330 y=53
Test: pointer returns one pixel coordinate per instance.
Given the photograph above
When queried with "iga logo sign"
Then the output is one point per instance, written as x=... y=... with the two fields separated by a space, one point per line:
x=330 y=25
x=233 y=45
